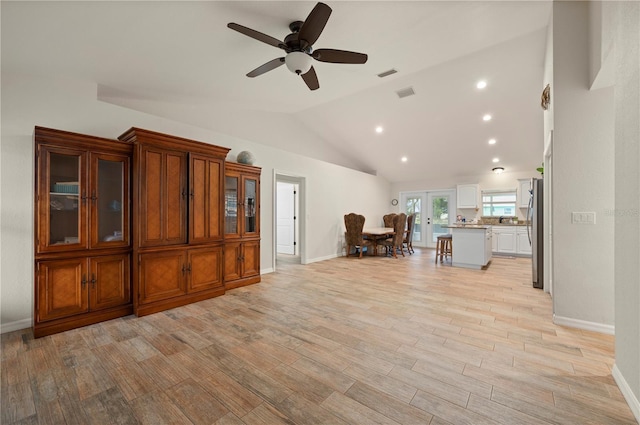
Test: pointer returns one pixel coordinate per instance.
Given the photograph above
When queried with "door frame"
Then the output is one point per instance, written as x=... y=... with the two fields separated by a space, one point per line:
x=301 y=181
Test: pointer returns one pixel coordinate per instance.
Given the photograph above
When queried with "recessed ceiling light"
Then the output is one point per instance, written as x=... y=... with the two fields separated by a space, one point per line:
x=496 y=159
x=379 y=129
x=492 y=141
x=481 y=84
x=487 y=117
x=498 y=170
x=403 y=159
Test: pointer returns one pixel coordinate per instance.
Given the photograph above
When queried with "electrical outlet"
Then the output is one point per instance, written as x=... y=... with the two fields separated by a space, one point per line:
x=583 y=217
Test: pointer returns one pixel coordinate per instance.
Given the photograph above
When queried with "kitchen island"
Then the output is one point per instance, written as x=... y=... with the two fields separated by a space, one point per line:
x=471 y=245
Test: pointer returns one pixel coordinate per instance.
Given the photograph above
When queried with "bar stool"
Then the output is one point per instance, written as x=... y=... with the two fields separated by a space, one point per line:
x=444 y=247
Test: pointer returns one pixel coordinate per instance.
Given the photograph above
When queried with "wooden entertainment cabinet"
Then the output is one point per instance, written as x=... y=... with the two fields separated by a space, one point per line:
x=137 y=225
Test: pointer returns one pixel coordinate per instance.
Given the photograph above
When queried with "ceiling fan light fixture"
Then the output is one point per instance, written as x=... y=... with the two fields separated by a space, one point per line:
x=298 y=62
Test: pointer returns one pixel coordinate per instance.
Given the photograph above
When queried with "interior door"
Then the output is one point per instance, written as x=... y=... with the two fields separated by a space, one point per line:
x=285 y=212
x=438 y=215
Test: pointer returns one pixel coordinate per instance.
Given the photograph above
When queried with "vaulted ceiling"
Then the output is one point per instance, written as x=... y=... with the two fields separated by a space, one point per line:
x=180 y=61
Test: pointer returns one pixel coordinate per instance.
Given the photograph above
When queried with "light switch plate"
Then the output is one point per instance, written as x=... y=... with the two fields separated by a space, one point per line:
x=583 y=217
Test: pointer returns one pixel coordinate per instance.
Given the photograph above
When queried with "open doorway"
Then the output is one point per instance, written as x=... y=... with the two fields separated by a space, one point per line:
x=288 y=225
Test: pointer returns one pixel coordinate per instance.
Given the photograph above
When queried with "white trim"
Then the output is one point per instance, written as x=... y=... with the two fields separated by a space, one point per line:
x=583 y=324
x=326 y=257
x=626 y=391
x=16 y=326
x=266 y=271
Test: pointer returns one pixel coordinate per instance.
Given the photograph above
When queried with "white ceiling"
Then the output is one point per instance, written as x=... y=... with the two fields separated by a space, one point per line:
x=179 y=60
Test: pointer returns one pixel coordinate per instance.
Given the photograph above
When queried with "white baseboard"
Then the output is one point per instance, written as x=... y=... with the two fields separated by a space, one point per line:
x=317 y=259
x=626 y=391
x=16 y=326
x=583 y=324
x=265 y=271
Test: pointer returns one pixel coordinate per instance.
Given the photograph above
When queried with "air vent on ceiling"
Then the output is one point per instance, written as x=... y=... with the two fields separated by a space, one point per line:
x=405 y=92
x=387 y=73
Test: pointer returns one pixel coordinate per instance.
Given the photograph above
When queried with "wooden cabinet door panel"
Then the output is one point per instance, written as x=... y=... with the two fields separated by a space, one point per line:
x=62 y=199
x=62 y=289
x=232 y=261
x=161 y=276
x=109 y=200
x=250 y=258
x=109 y=282
x=205 y=268
x=250 y=206
x=162 y=213
x=175 y=198
x=205 y=198
x=150 y=214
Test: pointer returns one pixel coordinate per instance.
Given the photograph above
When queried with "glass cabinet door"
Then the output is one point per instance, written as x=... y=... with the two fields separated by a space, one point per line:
x=250 y=204
x=109 y=200
x=231 y=205
x=62 y=200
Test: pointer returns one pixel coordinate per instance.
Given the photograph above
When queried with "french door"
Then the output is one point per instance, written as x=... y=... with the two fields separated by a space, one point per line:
x=433 y=210
x=440 y=211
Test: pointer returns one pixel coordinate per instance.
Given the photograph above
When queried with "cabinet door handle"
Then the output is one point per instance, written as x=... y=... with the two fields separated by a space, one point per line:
x=191 y=194
x=84 y=280
x=184 y=193
x=184 y=269
x=84 y=197
x=93 y=280
x=93 y=196
x=189 y=268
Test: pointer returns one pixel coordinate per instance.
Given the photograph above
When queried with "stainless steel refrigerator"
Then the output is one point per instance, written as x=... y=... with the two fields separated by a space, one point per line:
x=534 y=230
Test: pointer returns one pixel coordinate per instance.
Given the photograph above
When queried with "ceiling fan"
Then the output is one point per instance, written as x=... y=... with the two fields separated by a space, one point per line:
x=299 y=47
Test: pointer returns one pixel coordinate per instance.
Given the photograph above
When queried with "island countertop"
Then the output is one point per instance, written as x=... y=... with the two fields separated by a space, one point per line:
x=468 y=226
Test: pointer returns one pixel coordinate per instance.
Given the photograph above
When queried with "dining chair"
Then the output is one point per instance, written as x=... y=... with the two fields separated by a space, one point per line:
x=408 y=236
x=388 y=219
x=354 y=223
x=394 y=243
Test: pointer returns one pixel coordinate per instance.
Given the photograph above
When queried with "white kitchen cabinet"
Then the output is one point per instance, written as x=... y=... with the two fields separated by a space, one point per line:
x=511 y=240
x=523 y=246
x=468 y=195
x=524 y=185
x=505 y=237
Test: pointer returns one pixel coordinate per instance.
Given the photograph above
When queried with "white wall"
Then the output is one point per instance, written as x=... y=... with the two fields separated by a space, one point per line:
x=331 y=190
x=583 y=178
x=626 y=34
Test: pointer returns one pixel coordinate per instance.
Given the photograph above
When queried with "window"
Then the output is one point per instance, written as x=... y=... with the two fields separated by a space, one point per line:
x=499 y=203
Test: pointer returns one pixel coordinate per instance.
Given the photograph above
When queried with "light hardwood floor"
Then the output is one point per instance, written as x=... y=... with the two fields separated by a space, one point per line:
x=343 y=341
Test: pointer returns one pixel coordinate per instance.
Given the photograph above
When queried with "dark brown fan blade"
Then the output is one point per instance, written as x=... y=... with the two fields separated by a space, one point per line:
x=314 y=24
x=272 y=64
x=338 y=56
x=311 y=79
x=257 y=35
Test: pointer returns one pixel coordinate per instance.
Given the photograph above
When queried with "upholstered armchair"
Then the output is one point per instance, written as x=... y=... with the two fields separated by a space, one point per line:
x=395 y=243
x=354 y=223
x=408 y=237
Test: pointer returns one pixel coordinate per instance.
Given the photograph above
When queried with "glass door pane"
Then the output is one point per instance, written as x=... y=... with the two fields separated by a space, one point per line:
x=439 y=210
x=65 y=221
x=231 y=205
x=413 y=205
x=108 y=199
x=440 y=216
x=250 y=200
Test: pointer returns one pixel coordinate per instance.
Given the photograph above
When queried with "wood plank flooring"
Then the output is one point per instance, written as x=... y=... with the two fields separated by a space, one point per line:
x=344 y=341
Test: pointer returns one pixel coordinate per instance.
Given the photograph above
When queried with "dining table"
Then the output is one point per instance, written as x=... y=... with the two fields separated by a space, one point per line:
x=377 y=234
